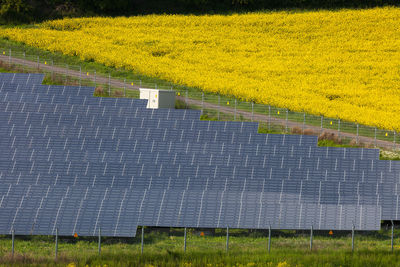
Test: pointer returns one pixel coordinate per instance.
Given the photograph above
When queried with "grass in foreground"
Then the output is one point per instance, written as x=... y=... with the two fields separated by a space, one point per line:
x=164 y=247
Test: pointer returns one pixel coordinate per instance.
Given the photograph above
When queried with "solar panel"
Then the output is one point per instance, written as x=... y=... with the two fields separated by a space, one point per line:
x=80 y=164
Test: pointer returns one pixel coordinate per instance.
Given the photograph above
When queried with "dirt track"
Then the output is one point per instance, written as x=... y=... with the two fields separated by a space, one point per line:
x=206 y=105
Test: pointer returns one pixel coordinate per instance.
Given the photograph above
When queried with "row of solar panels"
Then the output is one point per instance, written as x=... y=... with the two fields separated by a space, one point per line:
x=292 y=168
x=306 y=188
x=129 y=136
x=22 y=78
x=117 y=212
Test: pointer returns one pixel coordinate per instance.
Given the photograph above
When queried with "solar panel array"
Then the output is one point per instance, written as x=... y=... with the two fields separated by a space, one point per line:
x=78 y=163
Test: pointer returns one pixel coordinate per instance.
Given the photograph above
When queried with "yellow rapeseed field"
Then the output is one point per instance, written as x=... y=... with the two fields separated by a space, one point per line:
x=342 y=64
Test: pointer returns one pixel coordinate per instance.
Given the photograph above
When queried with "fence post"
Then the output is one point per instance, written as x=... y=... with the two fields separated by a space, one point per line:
x=202 y=103
x=234 y=116
x=109 y=84
x=304 y=121
x=227 y=239
x=352 y=239
x=394 y=140
x=52 y=71
x=66 y=74
x=357 y=135
x=56 y=249
x=37 y=62
x=286 y=128
x=12 y=241
x=124 y=87
x=155 y=86
x=140 y=83
x=80 y=75
x=184 y=241
x=322 y=121
x=99 y=240
x=269 y=118
x=375 y=137
x=269 y=239
x=186 y=98
x=9 y=58
x=252 y=110
x=95 y=85
x=219 y=101
x=392 y=236
x=311 y=237
x=339 y=128
x=142 y=240
x=23 y=65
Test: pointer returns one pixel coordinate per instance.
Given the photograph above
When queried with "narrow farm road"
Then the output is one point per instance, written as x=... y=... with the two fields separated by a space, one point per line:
x=223 y=109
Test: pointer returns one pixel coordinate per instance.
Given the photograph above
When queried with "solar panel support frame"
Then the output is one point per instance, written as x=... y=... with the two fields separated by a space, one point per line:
x=12 y=242
x=99 y=240
x=184 y=241
x=227 y=239
x=142 y=240
x=56 y=247
x=391 y=241
x=352 y=239
x=269 y=239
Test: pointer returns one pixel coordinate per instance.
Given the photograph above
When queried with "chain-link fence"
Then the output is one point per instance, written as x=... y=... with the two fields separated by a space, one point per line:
x=116 y=83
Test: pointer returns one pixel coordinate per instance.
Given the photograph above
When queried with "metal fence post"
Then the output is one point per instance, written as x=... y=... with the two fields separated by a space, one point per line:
x=219 y=101
x=269 y=239
x=357 y=135
x=269 y=118
x=124 y=87
x=155 y=86
x=304 y=121
x=9 y=58
x=352 y=239
x=140 y=83
x=394 y=140
x=109 y=84
x=286 y=128
x=227 y=239
x=311 y=237
x=56 y=249
x=142 y=240
x=95 y=78
x=339 y=128
x=99 y=240
x=252 y=110
x=234 y=116
x=375 y=137
x=37 y=62
x=12 y=241
x=392 y=235
x=202 y=103
x=52 y=71
x=184 y=241
x=322 y=121
x=80 y=75
x=23 y=66
x=66 y=74
x=186 y=99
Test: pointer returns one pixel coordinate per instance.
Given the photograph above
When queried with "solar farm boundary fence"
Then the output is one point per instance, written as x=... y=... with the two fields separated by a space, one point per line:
x=212 y=106
x=267 y=235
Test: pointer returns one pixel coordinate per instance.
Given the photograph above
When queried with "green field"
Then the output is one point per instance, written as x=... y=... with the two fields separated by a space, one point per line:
x=164 y=247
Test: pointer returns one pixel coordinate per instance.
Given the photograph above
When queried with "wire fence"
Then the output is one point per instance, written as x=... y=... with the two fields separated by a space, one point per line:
x=116 y=83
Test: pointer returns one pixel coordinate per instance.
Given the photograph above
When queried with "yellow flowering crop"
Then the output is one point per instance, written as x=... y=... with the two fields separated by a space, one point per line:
x=342 y=64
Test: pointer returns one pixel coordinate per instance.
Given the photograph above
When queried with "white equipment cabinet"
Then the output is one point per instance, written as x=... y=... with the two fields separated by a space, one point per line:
x=158 y=98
